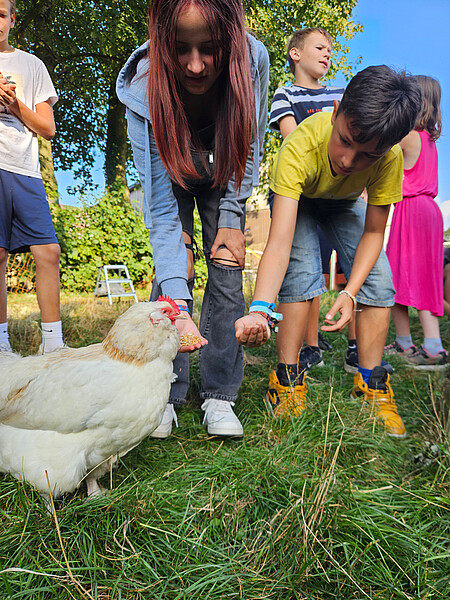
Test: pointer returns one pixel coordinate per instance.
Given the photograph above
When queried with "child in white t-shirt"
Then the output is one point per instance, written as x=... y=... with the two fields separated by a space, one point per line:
x=27 y=96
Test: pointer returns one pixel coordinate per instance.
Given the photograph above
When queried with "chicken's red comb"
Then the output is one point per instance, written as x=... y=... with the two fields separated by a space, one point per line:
x=172 y=303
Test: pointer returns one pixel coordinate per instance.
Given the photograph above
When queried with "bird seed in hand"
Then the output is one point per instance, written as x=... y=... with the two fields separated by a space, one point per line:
x=189 y=339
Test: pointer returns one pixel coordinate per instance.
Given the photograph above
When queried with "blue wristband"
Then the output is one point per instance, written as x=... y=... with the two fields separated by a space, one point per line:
x=268 y=309
x=183 y=308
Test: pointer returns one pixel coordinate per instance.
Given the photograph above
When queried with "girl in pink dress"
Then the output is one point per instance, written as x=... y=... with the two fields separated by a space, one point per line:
x=415 y=247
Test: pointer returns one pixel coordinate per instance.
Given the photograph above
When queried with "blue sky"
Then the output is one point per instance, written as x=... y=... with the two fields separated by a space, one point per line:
x=410 y=34
x=406 y=34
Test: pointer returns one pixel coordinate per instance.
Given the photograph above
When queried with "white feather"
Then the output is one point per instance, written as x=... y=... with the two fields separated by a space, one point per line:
x=68 y=412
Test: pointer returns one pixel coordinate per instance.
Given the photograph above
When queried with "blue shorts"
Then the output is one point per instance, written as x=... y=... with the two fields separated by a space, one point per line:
x=25 y=218
x=342 y=222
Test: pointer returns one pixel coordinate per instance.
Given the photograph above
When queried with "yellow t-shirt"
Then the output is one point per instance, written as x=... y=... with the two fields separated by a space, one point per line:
x=302 y=166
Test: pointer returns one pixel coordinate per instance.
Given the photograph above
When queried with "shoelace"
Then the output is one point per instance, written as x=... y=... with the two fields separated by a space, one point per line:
x=171 y=409
x=212 y=404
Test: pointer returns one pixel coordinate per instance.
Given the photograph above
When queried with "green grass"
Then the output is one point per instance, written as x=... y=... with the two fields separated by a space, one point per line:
x=321 y=507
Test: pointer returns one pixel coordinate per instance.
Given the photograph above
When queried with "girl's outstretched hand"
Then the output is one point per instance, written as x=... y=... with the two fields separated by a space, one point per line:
x=190 y=337
x=343 y=305
x=252 y=330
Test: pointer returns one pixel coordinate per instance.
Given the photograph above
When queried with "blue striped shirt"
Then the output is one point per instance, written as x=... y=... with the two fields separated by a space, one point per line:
x=301 y=102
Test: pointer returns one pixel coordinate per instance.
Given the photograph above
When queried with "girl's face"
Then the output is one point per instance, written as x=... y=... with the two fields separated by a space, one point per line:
x=195 y=53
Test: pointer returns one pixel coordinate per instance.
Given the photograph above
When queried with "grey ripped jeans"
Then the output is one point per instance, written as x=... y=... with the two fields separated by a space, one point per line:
x=221 y=360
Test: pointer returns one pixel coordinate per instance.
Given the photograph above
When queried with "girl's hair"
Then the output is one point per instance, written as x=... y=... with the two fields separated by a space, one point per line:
x=429 y=118
x=234 y=122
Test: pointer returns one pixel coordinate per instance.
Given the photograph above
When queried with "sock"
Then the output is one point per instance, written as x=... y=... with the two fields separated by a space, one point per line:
x=433 y=345
x=405 y=341
x=290 y=375
x=4 y=338
x=352 y=344
x=51 y=336
x=365 y=374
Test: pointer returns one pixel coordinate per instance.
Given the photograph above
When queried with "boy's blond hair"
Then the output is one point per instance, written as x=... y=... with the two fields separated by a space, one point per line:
x=12 y=4
x=298 y=41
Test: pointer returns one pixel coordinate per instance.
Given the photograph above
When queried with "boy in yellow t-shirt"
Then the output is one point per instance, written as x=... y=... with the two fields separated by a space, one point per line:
x=327 y=162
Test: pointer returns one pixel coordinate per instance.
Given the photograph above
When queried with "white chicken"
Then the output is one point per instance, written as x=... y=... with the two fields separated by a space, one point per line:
x=67 y=413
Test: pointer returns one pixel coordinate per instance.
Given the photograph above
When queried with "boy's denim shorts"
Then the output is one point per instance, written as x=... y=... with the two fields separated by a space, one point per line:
x=342 y=222
x=25 y=218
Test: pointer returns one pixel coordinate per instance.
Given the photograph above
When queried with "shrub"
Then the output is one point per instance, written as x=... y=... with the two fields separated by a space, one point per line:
x=108 y=231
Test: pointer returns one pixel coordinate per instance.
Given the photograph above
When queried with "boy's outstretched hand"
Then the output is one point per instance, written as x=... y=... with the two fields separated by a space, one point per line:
x=343 y=305
x=252 y=330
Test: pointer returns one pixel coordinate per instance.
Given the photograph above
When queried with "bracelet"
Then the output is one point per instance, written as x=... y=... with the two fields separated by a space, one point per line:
x=267 y=310
x=351 y=296
x=270 y=320
x=183 y=308
x=265 y=307
x=261 y=305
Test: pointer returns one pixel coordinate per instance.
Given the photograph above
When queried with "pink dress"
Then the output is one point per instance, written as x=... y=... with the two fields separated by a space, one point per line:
x=415 y=248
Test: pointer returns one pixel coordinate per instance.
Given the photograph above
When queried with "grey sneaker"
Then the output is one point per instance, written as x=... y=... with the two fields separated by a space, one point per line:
x=220 y=419
x=41 y=348
x=164 y=429
x=395 y=348
x=311 y=356
x=5 y=347
x=428 y=362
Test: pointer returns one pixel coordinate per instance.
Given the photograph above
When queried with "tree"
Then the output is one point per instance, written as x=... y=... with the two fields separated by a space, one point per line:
x=274 y=21
x=84 y=44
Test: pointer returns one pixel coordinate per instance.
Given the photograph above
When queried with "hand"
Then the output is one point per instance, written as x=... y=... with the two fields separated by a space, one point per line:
x=343 y=305
x=252 y=330
x=234 y=240
x=185 y=326
x=7 y=92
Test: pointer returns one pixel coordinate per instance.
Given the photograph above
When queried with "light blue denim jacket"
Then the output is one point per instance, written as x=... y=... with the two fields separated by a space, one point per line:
x=160 y=205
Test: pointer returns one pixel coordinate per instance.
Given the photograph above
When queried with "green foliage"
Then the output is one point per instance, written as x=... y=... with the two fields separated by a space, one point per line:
x=109 y=231
x=274 y=21
x=201 y=270
x=85 y=53
x=84 y=44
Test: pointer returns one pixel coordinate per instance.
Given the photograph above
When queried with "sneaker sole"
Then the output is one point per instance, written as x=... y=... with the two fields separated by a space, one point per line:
x=317 y=364
x=226 y=433
x=160 y=436
x=400 y=436
x=428 y=367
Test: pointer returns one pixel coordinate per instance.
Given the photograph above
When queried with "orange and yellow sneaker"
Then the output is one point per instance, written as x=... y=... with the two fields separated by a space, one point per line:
x=285 y=401
x=379 y=396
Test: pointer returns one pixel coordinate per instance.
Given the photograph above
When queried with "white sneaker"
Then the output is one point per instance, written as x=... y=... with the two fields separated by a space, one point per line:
x=164 y=429
x=220 y=419
x=5 y=347
x=41 y=348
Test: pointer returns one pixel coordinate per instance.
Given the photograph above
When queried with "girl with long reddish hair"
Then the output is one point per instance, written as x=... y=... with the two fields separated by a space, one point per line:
x=196 y=98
